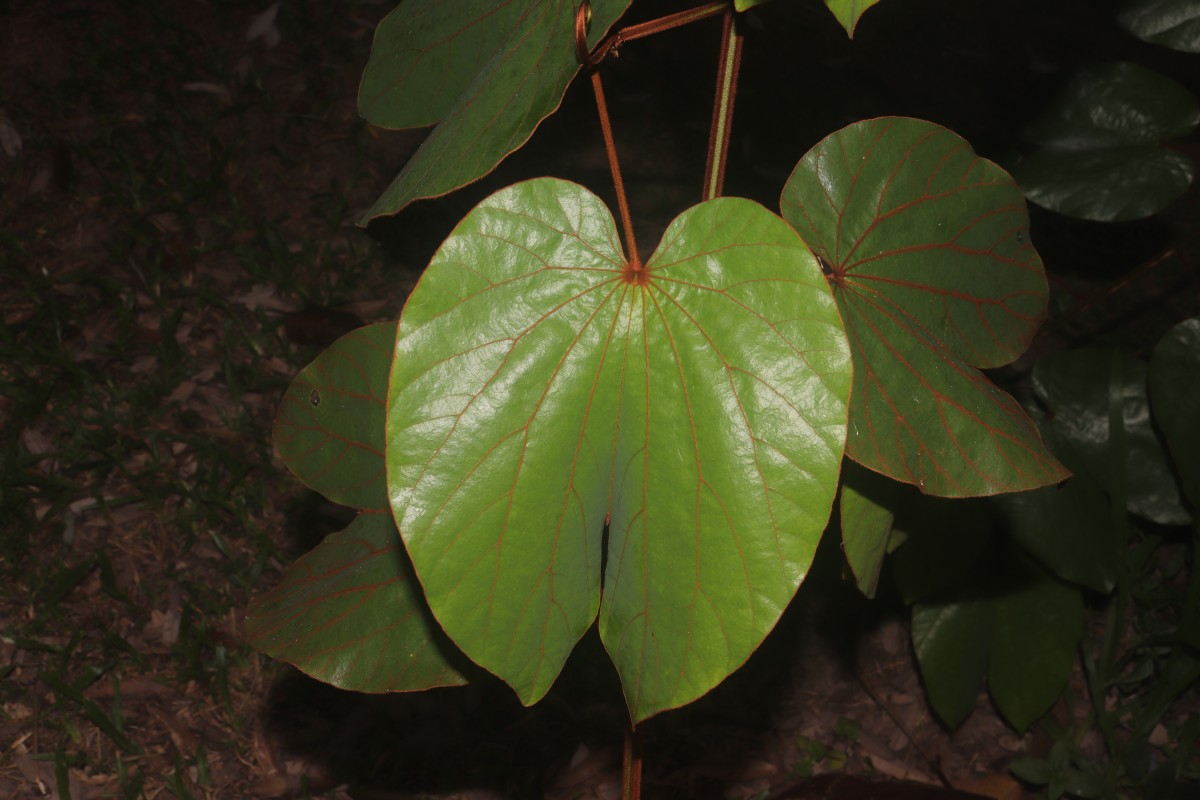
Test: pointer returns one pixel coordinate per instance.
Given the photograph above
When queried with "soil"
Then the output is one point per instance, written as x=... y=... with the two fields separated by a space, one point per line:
x=238 y=155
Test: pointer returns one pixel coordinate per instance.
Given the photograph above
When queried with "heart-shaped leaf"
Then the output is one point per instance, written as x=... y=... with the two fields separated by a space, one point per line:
x=562 y=421
x=1175 y=399
x=1172 y=23
x=329 y=429
x=351 y=613
x=1098 y=150
x=1074 y=386
x=927 y=249
x=486 y=72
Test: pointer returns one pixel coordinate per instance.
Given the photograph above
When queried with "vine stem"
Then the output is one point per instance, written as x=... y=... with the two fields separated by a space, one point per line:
x=722 y=120
x=631 y=767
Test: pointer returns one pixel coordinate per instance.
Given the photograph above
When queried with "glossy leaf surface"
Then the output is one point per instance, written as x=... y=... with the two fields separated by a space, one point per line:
x=867 y=507
x=1019 y=626
x=541 y=385
x=1171 y=23
x=1074 y=387
x=1098 y=155
x=329 y=429
x=486 y=72
x=351 y=613
x=1175 y=400
x=928 y=253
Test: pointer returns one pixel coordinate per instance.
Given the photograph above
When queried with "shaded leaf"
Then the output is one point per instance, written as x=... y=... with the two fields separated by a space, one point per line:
x=927 y=249
x=943 y=541
x=1171 y=23
x=1098 y=155
x=351 y=613
x=329 y=429
x=1073 y=386
x=1067 y=529
x=542 y=385
x=868 y=504
x=951 y=643
x=1175 y=400
x=1016 y=624
x=486 y=73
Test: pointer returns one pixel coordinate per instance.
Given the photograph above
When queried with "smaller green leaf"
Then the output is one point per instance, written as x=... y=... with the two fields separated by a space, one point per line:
x=1037 y=625
x=329 y=430
x=1175 y=400
x=1066 y=528
x=1171 y=23
x=1098 y=155
x=867 y=507
x=487 y=73
x=847 y=12
x=1012 y=620
x=951 y=643
x=1073 y=386
x=351 y=613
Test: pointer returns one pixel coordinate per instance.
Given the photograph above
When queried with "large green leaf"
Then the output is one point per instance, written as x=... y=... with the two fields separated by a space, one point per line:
x=847 y=12
x=1172 y=23
x=927 y=248
x=1098 y=150
x=486 y=72
x=1074 y=387
x=1175 y=400
x=329 y=429
x=561 y=421
x=1015 y=623
x=351 y=613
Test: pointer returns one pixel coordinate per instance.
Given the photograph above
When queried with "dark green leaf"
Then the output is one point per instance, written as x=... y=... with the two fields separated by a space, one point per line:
x=351 y=613
x=927 y=249
x=542 y=385
x=1098 y=153
x=951 y=643
x=1074 y=388
x=486 y=72
x=1068 y=529
x=1035 y=630
x=1012 y=620
x=1175 y=400
x=867 y=509
x=329 y=430
x=1172 y=23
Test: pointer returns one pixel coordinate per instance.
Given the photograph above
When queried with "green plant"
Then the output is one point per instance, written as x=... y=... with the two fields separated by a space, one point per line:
x=561 y=431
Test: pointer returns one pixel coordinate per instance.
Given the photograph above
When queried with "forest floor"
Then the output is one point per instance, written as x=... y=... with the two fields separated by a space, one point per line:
x=179 y=188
